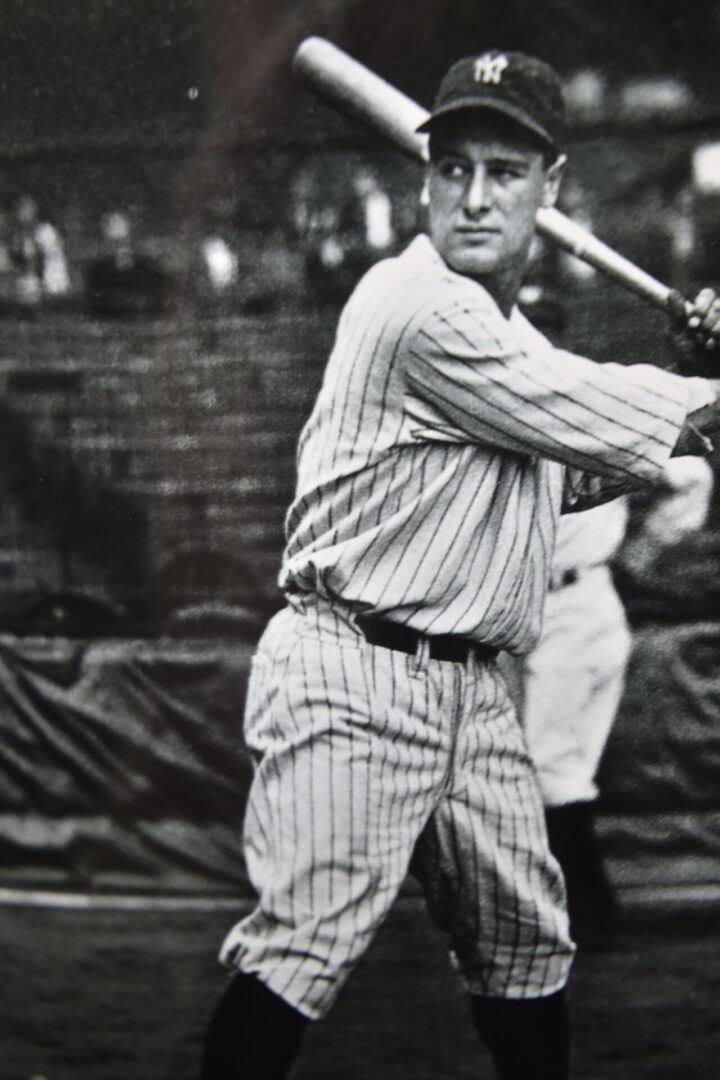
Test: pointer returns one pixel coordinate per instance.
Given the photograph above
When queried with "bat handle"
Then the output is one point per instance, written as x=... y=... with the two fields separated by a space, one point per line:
x=578 y=241
x=586 y=246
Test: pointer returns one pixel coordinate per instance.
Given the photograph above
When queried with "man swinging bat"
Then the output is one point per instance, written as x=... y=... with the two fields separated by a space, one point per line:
x=446 y=439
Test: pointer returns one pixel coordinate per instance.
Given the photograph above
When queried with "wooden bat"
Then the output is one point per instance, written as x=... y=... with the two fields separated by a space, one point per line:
x=353 y=88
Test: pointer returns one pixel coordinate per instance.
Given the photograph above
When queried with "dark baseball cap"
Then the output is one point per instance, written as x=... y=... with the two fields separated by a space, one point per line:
x=518 y=86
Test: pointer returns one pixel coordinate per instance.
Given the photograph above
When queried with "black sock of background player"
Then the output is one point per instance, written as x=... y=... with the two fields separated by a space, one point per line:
x=528 y=1039
x=252 y=1034
x=572 y=841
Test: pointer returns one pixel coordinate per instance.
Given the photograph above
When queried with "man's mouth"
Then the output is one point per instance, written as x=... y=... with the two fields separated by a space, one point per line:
x=479 y=231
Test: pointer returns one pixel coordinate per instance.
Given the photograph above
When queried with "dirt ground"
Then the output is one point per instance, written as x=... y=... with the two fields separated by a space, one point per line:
x=124 y=995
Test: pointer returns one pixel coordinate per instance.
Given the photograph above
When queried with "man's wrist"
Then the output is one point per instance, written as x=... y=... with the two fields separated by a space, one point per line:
x=696 y=435
x=692 y=442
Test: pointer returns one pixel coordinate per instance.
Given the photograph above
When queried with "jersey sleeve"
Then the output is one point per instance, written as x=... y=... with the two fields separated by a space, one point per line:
x=470 y=377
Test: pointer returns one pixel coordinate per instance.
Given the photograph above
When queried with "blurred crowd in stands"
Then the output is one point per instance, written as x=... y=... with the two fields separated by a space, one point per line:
x=339 y=213
x=33 y=266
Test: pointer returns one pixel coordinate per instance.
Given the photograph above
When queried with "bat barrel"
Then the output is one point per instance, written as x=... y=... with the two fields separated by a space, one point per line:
x=348 y=83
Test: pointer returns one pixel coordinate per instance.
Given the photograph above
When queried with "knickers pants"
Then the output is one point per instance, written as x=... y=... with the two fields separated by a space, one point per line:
x=367 y=759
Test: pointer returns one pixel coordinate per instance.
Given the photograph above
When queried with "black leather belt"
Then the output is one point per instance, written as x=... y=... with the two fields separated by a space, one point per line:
x=391 y=635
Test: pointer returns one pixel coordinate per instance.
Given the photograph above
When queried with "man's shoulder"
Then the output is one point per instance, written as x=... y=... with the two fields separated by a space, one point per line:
x=416 y=263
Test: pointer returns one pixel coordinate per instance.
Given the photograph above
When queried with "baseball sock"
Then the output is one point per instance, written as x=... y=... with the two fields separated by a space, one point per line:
x=572 y=842
x=252 y=1034
x=528 y=1039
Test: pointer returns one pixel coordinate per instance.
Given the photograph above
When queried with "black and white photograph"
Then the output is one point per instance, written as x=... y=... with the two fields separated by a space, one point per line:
x=360 y=540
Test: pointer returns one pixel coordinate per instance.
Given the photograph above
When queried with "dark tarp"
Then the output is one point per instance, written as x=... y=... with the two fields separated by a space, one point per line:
x=660 y=777
x=122 y=766
x=664 y=752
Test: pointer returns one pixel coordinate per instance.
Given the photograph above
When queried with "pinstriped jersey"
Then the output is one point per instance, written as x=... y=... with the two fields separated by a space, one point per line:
x=432 y=470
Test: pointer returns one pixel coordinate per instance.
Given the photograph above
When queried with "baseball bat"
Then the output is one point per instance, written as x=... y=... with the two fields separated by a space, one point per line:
x=349 y=85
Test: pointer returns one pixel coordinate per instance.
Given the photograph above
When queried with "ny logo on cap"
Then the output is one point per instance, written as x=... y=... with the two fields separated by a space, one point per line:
x=489 y=68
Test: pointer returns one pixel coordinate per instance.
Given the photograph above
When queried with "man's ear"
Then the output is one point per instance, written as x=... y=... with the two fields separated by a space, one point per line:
x=425 y=193
x=553 y=177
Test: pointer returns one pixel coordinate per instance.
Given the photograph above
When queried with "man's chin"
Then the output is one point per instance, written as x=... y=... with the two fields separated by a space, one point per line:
x=475 y=263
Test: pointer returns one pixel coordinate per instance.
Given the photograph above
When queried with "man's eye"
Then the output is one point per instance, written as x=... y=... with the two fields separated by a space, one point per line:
x=507 y=172
x=451 y=170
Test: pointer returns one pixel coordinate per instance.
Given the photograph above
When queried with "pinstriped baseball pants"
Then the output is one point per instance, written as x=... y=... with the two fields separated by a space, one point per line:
x=368 y=759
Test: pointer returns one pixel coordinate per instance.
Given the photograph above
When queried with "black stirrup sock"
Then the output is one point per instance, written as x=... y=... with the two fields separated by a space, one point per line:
x=252 y=1034
x=572 y=841
x=528 y=1038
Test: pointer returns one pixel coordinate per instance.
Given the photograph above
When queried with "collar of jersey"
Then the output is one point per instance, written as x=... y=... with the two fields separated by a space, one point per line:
x=423 y=249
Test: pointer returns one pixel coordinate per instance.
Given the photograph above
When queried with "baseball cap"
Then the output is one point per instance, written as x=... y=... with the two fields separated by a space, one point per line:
x=519 y=86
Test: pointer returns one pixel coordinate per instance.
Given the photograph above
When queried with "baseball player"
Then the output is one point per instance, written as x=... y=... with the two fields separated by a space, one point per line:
x=446 y=438
x=572 y=682
x=571 y=687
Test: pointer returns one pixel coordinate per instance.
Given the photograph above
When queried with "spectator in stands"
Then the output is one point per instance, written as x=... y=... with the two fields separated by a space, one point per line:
x=122 y=280
x=212 y=271
x=343 y=230
x=34 y=266
x=219 y=261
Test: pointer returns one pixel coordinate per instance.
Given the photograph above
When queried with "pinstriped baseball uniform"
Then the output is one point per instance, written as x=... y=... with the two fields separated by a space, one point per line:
x=430 y=478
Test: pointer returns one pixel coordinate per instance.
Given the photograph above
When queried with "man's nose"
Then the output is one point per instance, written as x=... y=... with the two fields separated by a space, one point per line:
x=477 y=193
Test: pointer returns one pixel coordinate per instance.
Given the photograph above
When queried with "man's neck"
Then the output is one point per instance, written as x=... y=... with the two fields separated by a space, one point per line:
x=503 y=287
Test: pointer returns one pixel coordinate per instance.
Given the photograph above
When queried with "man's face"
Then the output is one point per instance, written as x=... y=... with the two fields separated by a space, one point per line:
x=486 y=182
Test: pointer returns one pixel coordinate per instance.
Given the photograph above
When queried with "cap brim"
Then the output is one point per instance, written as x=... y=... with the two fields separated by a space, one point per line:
x=484 y=104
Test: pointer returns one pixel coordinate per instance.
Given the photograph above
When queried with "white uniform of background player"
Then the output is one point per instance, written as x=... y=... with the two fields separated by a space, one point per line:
x=571 y=684
x=573 y=679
